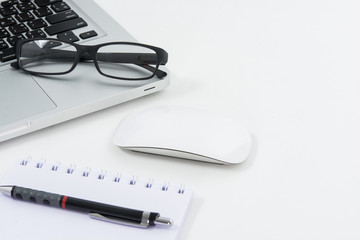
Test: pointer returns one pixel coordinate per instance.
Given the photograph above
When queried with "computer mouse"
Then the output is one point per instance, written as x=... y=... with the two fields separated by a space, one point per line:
x=186 y=133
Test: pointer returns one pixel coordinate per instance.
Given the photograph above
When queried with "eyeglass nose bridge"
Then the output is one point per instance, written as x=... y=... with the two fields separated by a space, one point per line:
x=86 y=53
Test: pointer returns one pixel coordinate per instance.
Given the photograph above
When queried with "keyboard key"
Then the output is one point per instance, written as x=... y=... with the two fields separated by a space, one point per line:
x=65 y=26
x=26 y=6
x=68 y=36
x=37 y=23
x=18 y=28
x=7 y=54
x=43 y=11
x=13 y=39
x=60 y=7
x=8 y=3
x=4 y=22
x=7 y=11
x=36 y=34
x=88 y=34
x=52 y=44
x=3 y=44
x=4 y=33
x=43 y=3
x=60 y=17
x=25 y=16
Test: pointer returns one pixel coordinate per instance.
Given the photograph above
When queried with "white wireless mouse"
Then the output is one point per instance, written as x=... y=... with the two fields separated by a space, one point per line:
x=184 y=133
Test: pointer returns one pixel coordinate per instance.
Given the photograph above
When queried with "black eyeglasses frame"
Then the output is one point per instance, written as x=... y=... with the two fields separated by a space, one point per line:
x=89 y=52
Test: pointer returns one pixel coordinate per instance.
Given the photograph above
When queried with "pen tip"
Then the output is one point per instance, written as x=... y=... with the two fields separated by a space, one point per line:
x=6 y=189
x=163 y=221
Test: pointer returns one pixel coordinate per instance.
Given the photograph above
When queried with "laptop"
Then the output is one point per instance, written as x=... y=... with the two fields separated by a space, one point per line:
x=29 y=103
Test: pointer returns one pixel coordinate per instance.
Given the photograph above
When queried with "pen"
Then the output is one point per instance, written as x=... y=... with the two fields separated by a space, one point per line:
x=96 y=210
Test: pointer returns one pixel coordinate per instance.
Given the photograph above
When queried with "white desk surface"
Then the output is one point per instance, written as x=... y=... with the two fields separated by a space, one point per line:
x=287 y=70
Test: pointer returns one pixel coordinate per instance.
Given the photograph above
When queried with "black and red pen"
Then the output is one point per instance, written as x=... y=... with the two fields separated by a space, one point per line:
x=96 y=210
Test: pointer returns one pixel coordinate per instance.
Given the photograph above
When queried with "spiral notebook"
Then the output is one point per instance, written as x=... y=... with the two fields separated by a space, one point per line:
x=22 y=220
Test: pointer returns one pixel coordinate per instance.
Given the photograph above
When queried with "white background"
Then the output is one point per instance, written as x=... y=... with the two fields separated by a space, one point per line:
x=287 y=70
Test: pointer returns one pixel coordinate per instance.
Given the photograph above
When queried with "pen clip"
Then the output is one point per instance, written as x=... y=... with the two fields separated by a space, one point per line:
x=143 y=224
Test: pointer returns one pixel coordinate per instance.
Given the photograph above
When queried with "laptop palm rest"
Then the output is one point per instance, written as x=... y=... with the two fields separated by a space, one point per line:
x=21 y=97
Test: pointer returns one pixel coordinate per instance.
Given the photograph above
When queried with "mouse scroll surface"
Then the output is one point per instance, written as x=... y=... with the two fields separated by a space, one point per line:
x=185 y=133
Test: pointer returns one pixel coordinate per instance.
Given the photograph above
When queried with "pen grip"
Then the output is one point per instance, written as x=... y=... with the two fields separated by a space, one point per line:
x=30 y=195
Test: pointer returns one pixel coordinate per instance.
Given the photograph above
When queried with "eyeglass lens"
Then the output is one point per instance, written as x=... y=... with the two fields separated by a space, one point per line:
x=114 y=60
x=126 y=61
x=47 y=56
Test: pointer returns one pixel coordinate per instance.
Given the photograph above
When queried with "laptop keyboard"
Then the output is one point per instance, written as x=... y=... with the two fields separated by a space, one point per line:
x=21 y=19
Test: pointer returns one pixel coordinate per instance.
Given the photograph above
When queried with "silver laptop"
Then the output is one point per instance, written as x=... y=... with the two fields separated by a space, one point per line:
x=29 y=103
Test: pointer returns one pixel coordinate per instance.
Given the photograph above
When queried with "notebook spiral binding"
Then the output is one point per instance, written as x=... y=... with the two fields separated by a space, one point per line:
x=101 y=175
x=86 y=172
x=55 y=166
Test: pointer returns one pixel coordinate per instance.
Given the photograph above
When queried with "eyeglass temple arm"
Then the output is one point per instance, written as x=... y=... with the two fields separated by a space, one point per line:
x=60 y=57
x=54 y=57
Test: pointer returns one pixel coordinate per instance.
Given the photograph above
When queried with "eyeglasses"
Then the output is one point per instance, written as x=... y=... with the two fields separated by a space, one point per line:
x=119 y=60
